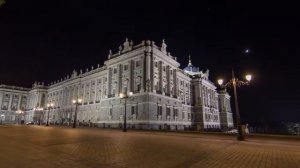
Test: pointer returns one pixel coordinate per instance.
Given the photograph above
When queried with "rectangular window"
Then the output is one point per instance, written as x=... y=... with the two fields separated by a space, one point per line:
x=159 y=110
x=115 y=70
x=132 y=110
x=176 y=112
x=138 y=87
x=138 y=63
x=155 y=64
x=168 y=111
x=125 y=67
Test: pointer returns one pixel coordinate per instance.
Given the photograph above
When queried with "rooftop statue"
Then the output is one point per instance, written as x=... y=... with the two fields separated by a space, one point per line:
x=163 y=47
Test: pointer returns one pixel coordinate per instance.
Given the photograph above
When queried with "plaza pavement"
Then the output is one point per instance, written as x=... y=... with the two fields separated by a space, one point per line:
x=39 y=146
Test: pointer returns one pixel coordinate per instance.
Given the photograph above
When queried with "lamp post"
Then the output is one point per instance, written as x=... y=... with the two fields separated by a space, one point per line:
x=2 y=116
x=234 y=82
x=50 y=106
x=19 y=112
x=125 y=96
x=76 y=102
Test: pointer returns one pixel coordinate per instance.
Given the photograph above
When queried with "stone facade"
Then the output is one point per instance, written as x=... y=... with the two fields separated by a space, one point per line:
x=164 y=96
x=12 y=98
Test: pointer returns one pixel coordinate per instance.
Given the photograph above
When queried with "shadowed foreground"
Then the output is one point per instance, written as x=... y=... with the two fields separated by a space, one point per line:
x=40 y=146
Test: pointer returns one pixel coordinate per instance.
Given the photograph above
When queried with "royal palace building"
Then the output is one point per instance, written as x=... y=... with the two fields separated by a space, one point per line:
x=163 y=95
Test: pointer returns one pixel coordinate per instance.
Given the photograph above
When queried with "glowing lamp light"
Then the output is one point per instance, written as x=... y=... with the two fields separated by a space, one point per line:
x=19 y=111
x=248 y=78
x=130 y=93
x=76 y=101
x=220 y=81
x=50 y=105
x=121 y=95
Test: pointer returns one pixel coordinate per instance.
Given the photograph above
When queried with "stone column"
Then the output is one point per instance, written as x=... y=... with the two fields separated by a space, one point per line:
x=184 y=92
x=131 y=76
x=10 y=101
x=148 y=64
x=168 y=79
x=83 y=92
x=120 y=80
x=109 y=82
x=95 y=90
x=152 y=73
x=160 y=72
x=19 y=102
x=175 y=83
x=1 y=97
x=102 y=88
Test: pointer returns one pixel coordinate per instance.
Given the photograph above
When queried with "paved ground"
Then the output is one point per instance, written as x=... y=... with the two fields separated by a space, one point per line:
x=40 y=146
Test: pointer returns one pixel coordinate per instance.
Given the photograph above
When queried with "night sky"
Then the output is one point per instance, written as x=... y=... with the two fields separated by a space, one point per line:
x=45 y=40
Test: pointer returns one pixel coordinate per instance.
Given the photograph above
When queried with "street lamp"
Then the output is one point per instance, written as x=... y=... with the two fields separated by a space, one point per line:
x=50 y=106
x=76 y=102
x=125 y=96
x=2 y=116
x=234 y=82
x=19 y=112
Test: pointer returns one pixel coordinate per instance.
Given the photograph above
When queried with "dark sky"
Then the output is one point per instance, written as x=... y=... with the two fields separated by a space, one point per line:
x=46 y=40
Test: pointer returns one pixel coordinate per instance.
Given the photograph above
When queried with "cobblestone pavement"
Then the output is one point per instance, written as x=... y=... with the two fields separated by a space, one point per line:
x=40 y=146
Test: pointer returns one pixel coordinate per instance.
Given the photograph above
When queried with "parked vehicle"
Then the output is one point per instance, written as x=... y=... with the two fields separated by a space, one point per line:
x=232 y=131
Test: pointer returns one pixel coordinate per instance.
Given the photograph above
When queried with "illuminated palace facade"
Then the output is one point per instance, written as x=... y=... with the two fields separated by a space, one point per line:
x=164 y=96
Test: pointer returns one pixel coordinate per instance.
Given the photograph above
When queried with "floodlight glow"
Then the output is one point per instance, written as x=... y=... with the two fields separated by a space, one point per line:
x=248 y=78
x=220 y=81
